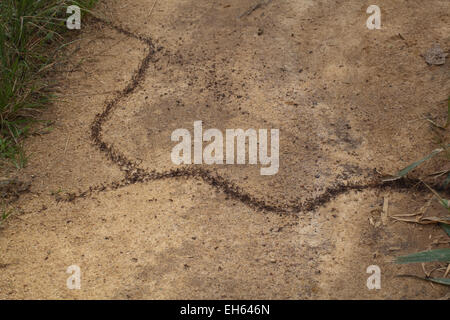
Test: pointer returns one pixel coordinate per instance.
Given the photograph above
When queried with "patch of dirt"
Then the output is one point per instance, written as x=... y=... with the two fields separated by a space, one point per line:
x=347 y=100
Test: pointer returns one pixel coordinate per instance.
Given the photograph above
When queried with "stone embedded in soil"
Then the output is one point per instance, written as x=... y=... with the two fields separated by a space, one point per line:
x=435 y=55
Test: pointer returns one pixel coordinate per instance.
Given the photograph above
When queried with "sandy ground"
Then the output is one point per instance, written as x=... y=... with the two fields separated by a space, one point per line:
x=349 y=103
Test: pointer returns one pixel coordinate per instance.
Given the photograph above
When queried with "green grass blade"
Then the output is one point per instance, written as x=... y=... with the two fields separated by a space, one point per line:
x=442 y=201
x=441 y=255
x=444 y=281
x=414 y=165
x=447 y=180
x=446 y=228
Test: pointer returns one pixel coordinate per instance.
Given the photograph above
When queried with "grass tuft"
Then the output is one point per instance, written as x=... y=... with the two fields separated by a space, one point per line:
x=31 y=34
x=437 y=255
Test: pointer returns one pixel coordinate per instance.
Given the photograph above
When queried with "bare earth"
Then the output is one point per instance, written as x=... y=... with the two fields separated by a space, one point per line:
x=349 y=104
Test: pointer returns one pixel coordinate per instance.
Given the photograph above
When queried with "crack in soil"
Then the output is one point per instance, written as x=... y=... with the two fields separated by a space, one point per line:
x=134 y=174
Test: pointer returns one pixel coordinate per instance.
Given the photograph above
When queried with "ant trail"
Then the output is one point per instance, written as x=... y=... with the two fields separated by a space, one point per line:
x=134 y=174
